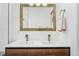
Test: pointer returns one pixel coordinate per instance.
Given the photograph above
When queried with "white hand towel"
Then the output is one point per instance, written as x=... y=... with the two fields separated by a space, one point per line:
x=63 y=22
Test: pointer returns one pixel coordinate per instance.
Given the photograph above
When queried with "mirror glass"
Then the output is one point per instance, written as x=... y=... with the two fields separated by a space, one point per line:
x=37 y=18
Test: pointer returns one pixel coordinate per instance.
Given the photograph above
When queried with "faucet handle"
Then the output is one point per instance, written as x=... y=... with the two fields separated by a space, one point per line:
x=26 y=37
x=49 y=37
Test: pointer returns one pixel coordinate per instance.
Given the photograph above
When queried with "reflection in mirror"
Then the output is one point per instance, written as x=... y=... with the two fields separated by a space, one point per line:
x=37 y=18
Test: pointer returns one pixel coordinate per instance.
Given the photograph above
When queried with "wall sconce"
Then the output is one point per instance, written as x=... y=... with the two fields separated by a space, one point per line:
x=31 y=4
x=44 y=4
x=62 y=21
x=38 y=4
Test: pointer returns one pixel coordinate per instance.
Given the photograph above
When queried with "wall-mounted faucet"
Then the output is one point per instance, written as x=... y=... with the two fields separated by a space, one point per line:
x=26 y=38
x=49 y=36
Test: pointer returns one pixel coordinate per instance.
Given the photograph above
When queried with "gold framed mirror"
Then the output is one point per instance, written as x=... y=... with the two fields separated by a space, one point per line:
x=37 y=18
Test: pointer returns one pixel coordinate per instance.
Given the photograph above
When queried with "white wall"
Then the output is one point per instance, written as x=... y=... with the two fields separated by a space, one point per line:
x=60 y=39
x=69 y=36
x=3 y=25
x=78 y=28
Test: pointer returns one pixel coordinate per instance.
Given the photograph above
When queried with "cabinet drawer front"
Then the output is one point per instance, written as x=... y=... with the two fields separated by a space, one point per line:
x=38 y=51
x=59 y=52
x=15 y=52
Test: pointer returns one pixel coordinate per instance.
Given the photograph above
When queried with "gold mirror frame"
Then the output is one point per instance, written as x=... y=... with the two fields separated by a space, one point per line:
x=37 y=29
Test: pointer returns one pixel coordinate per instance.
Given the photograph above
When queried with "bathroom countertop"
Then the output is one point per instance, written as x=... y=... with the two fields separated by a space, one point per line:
x=34 y=44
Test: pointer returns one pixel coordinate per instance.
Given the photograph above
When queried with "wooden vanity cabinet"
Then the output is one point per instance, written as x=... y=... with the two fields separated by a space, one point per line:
x=37 y=51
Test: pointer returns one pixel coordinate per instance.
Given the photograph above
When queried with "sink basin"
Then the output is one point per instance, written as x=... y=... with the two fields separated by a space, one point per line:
x=30 y=44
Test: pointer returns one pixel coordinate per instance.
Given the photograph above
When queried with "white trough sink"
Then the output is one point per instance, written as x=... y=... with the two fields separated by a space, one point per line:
x=30 y=44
